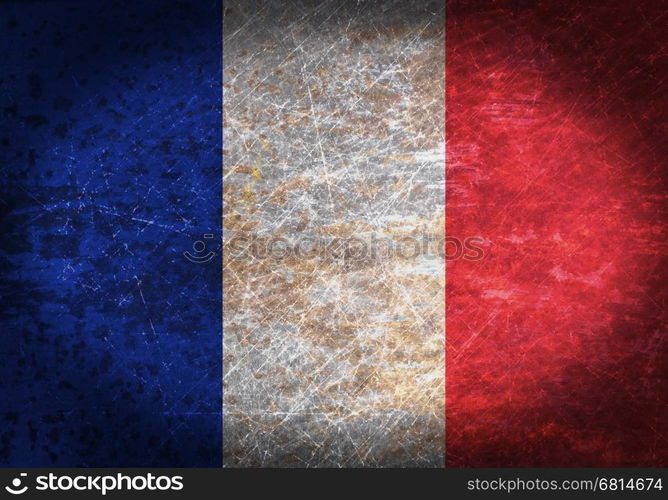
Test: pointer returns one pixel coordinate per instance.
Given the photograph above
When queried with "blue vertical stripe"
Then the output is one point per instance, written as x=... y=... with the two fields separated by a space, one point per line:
x=110 y=168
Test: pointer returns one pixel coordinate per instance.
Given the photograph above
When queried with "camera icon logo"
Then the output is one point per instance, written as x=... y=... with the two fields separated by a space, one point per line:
x=199 y=247
x=15 y=488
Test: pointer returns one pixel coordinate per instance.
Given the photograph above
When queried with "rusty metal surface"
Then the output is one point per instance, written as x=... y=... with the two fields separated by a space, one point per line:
x=333 y=219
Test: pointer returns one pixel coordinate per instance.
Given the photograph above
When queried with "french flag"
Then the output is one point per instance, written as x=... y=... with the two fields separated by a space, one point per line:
x=358 y=233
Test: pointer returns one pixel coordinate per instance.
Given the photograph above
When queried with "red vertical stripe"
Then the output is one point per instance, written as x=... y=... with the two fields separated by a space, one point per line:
x=556 y=340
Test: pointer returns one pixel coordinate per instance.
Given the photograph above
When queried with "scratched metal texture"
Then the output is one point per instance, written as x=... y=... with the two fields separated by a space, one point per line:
x=333 y=129
x=110 y=138
x=557 y=354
